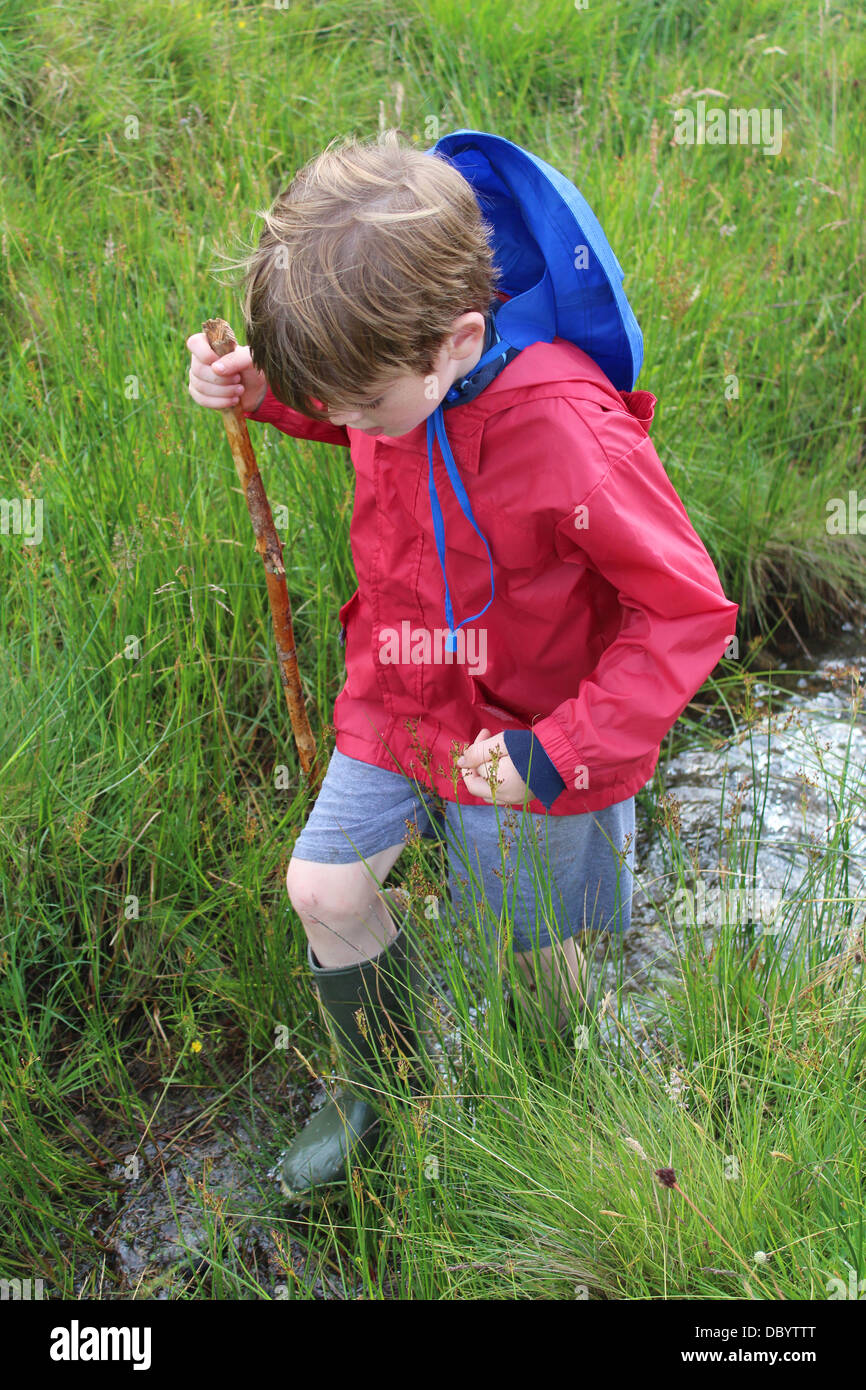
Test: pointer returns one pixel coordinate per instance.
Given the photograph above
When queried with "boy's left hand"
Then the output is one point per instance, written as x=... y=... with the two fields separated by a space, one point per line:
x=476 y=766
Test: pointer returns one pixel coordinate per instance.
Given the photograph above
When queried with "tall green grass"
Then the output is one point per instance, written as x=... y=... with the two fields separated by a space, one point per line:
x=145 y=830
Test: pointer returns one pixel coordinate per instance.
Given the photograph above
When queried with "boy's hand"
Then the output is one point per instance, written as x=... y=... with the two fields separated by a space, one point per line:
x=234 y=381
x=476 y=765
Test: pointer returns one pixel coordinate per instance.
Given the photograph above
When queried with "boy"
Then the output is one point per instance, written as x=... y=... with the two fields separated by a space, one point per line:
x=370 y=308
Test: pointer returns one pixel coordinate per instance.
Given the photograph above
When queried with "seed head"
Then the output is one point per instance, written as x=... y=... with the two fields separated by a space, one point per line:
x=666 y=1176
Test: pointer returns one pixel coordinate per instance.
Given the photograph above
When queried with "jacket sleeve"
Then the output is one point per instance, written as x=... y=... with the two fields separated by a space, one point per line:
x=273 y=412
x=676 y=620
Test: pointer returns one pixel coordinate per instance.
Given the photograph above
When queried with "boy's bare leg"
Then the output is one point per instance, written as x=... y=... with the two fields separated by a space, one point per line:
x=343 y=911
x=563 y=973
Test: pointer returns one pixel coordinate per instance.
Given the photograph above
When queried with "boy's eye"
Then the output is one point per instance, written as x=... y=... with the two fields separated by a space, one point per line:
x=363 y=405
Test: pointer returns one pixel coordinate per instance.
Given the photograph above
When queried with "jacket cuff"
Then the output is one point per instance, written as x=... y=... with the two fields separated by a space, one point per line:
x=524 y=748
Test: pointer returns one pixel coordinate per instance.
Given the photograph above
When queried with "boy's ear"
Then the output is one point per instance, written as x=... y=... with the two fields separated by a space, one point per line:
x=468 y=330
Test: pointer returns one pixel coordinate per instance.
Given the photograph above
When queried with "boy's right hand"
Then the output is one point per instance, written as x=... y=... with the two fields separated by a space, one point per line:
x=235 y=382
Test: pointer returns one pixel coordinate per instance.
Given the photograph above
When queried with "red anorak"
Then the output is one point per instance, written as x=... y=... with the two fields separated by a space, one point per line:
x=608 y=612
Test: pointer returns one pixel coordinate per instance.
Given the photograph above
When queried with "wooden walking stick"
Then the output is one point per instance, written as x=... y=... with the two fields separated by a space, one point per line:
x=222 y=341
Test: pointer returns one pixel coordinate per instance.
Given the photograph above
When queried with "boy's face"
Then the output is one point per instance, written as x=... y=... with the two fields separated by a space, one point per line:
x=398 y=406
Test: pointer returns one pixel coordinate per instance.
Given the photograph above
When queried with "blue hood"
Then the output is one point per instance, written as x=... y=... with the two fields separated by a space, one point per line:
x=563 y=280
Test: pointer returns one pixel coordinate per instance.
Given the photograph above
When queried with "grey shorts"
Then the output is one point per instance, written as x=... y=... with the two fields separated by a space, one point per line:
x=362 y=809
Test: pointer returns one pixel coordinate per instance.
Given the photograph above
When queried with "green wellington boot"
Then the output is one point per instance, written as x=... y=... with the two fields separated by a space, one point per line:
x=361 y=1003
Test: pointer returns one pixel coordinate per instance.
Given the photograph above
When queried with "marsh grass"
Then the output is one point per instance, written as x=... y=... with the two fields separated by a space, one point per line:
x=151 y=793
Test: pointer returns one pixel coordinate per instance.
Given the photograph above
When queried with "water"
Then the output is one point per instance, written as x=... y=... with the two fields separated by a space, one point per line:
x=782 y=785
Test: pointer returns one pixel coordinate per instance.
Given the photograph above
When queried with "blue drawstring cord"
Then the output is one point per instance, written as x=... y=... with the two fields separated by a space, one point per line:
x=436 y=422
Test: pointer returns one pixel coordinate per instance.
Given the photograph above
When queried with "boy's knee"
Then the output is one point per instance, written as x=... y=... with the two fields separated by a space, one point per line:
x=327 y=891
x=306 y=885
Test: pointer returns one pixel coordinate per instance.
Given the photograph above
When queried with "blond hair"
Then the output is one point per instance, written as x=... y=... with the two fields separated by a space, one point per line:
x=364 y=262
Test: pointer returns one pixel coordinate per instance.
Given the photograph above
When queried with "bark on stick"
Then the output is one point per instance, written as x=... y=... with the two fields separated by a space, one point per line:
x=222 y=341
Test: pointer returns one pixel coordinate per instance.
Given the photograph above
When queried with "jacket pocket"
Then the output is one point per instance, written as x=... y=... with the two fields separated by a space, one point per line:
x=489 y=711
